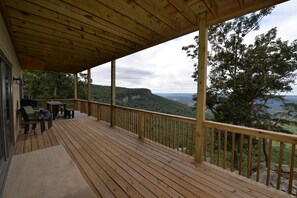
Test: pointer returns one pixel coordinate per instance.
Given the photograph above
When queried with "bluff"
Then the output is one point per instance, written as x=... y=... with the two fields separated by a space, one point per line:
x=141 y=99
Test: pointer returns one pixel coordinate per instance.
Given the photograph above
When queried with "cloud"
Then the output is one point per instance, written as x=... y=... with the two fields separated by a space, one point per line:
x=166 y=68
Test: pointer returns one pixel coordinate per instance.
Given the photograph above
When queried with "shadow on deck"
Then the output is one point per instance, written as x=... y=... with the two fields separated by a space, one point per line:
x=115 y=163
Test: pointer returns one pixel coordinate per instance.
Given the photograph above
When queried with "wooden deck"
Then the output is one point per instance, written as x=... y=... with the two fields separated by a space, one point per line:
x=115 y=163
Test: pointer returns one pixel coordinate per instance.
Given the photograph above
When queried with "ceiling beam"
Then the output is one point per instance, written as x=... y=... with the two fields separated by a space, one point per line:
x=249 y=7
x=212 y=7
x=185 y=10
x=155 y=10
x=241 y=3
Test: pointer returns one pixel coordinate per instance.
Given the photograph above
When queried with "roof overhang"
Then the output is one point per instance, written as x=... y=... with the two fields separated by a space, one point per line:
x=75 y=35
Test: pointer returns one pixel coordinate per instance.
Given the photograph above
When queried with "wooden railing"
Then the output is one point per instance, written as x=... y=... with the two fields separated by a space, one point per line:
x=69 y=102
x=261 y=155
x=173 y=131
x=252 y=152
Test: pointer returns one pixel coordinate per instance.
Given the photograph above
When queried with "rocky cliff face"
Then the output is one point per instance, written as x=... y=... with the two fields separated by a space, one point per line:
x=133 y=95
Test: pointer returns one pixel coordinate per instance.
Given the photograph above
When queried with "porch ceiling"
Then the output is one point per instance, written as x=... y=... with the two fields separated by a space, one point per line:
x=74 y=35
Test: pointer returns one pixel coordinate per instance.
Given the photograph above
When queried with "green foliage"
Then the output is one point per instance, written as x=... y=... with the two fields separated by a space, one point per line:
x=244 y=77
x=141 y=99
x=48 y=85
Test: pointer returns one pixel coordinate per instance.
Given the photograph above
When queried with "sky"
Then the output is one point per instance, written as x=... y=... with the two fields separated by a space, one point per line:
x=165 y=68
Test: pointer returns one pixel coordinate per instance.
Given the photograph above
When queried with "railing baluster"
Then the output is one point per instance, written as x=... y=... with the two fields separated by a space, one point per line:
x=187 y=139
x=204 y=145
x=174 y=131
x=232 y=150
x=280 y=163
x=212 y=145
x=178 y=133
x=240 y=155
x=291 y=169
x=249 y=165
x=219 y=147
x=225 y=149
x=259 y=158
x=269 y=162
x=182 y=136
x=192 y=138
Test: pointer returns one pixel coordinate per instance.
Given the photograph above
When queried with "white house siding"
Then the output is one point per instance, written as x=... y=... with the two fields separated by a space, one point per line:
x=8 y=51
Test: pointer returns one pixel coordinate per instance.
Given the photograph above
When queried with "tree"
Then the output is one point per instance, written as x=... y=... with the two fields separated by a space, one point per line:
x=46 y=84
x=244 y=77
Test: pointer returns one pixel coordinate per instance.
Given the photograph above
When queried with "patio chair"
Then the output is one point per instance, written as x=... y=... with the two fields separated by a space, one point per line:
x=31 y=117
x=28 y=102
x=47 y=117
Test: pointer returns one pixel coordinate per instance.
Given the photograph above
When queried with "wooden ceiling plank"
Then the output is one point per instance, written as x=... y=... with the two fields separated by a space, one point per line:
x=19 y=24
x=78 y=21
x=18 y=36
x=95 y=25
x=155 y=10
x=54 y=25
x=241 y=3
x=41 y=23
x=212 y=7
x=185 y=10
x=37 y=35
x=249 y=7
x=56 y=59
x=137 y=14
x=113 y=18
x=30 y=63
x=63 y=50
x=53 y=59
x=97 y=50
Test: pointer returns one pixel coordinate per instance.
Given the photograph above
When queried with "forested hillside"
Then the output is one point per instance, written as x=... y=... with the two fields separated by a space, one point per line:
x=141 y=99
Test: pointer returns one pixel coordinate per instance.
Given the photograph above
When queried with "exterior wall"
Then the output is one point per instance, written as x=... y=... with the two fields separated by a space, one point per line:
x=7 y=50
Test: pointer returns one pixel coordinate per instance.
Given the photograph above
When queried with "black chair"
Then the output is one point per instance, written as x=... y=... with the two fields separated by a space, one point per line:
x=28 y=102
x=69 y=113
x=30 y=117
x=47 y=117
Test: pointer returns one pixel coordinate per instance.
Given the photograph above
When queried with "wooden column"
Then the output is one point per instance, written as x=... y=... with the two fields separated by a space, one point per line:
x=201 y=87
x=89 y=92
x=113 y=94
x=75 y=90
x=141 y=128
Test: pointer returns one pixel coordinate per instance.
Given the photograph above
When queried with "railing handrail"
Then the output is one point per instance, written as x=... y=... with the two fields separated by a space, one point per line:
x=55 y=99
x=191 y=120
x=158 y=113
x=277 y=136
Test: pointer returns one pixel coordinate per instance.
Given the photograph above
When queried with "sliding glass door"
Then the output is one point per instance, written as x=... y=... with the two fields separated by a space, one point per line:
x=6 y=119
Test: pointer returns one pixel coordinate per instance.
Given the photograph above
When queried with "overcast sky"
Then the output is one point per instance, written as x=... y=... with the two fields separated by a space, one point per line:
x=165 y=68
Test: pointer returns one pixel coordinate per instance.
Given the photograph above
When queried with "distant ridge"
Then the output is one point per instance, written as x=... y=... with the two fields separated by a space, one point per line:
x=141 y=98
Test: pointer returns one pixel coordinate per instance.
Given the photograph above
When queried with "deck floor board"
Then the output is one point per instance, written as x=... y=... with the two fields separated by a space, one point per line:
x=115 y=163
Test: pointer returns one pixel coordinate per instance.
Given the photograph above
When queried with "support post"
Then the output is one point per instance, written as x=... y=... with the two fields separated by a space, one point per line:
x=75 y=90
x=201 y=87
x=89 y=92
x=113 y=94
x=141 y=125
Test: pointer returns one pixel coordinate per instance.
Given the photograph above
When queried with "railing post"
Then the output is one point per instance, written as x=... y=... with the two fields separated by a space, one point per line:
x=113 y=95
x=141 y=128
x=201 y=86
x=98 y=112
x=89 y=92
x=75 y=85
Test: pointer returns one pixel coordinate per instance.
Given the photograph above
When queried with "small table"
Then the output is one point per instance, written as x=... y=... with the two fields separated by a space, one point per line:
x=54 y=106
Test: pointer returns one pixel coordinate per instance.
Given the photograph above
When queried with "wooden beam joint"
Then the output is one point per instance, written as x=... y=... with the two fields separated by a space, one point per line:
x=212 y=6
